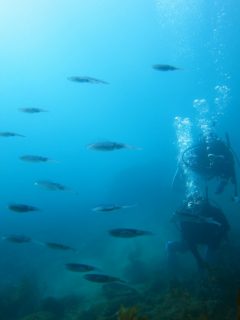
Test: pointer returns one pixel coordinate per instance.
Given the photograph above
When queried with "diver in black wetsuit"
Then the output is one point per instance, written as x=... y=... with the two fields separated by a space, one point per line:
x=200 y=223
x=213 y=158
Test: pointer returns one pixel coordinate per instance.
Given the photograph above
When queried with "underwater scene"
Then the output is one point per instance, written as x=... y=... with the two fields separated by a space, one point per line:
x=120 y=156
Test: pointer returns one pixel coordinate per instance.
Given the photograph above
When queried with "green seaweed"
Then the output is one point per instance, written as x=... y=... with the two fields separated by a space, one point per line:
x=212 y=296
x=130 y=314
x=40 y=316
x=19 y=300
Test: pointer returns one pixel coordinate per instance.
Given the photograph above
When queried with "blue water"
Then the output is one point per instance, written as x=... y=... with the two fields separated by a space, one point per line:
x=45 y=42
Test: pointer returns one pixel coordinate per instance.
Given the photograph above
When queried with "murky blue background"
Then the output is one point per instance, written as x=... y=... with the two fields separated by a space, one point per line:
x=42 y=44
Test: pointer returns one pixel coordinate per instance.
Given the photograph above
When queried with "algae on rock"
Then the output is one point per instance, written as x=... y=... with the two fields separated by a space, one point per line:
x=129 y=314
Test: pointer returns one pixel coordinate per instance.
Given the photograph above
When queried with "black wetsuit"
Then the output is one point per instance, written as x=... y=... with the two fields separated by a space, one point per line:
x=212 y=160
x=210 y=233
x=205 y=233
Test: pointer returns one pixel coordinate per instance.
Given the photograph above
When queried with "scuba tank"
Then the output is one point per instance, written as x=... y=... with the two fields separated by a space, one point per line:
x=213 y=159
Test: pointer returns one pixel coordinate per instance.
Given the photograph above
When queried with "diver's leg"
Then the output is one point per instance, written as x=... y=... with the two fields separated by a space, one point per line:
x=211 y=255
x=172 y=248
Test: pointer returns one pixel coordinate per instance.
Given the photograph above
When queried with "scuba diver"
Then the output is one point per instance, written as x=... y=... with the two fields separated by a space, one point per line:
x=212 y=158
x=200 y=223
